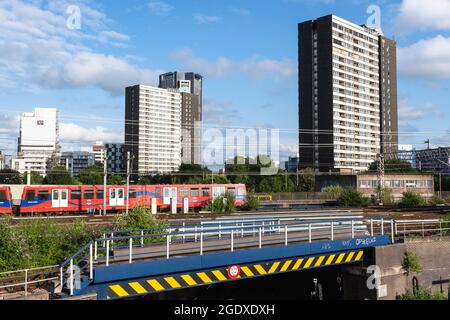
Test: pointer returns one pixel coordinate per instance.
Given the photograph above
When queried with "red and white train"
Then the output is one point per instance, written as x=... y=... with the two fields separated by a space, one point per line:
x=83 y=199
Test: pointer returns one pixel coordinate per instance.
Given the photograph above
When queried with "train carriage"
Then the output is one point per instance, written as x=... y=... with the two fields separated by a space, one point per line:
x=90 y=199
x=5 y=201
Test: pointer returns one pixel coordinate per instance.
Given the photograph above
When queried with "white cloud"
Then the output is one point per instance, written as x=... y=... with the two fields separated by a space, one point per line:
x=76 y=137
x=204 y=19
x=408 y=112
x=254 y=67
x=421 y=15
x=219 y=113
x=9 y=131
x=36 y=46
x=160 y=8
x=90 y=69
x=427 y=59
x=240 y=11
x=112 y=35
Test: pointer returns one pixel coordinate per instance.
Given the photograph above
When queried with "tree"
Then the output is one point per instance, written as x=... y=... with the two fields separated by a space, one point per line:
x=59 y=175
x=192 y=173
x=394 y=166
x=217 y=179
x=35 y=178
x=92 y=175
x=115 y=181
x=9 y=176
x=307 y=180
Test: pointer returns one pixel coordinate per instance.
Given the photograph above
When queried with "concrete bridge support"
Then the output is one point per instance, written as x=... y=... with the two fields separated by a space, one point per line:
x=435 y=260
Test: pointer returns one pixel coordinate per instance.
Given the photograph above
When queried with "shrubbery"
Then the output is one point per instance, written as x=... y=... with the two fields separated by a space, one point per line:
x=252 y=202
x=421 y=294
x=411 y=263
x=223 y=204
x=333 y=191
x=352 y=198
x=436 y=201
x=138 y=218
x=412 y=199
x=40 y=243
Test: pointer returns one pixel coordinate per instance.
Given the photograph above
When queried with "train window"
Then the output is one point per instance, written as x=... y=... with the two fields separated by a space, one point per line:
x=132 y=193
x=43 y=195
x=120 y=194
x=167 y=192
x=194 y=192
x=241 y=192
x=55 y=194
x=89 y=194
x=158 y=192
x=100 y=194
x=75 y=195
x=63 y=195
x=3 y=195
x=232 y=191
x=205 y=192
x=113 y=193
x=184 y=192
x=30 y=195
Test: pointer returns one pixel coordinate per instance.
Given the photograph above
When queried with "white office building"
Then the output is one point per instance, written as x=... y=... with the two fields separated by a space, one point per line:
x=99 y=151
x=38 y=144
x=153 y=129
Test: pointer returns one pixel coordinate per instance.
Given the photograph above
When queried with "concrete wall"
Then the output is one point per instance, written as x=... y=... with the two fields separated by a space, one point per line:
x=434 y=257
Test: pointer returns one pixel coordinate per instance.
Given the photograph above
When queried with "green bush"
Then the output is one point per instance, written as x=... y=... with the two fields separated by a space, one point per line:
x=421 y=294
x=11 y=254
x=436 y=201
x=138 y=218
x=252 y=202
x=217 y=205
x=334 y=191
x=352 y=198
x=40 y=243
x=386 y=196
x=411 y=263
x=446 y=226
x=412 y=199
x=230 y=202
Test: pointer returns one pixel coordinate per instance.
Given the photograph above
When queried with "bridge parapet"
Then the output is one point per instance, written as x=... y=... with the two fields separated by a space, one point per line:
x=213 y=245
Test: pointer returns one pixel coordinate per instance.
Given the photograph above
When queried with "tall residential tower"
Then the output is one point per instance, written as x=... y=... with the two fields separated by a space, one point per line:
x=347 y=95
x=190 y=86
x=153 y=129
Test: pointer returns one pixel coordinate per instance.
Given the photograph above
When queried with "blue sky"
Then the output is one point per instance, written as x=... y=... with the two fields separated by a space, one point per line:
x=247 y=51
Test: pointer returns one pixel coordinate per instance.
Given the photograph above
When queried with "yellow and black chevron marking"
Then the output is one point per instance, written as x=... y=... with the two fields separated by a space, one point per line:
x=181 y=281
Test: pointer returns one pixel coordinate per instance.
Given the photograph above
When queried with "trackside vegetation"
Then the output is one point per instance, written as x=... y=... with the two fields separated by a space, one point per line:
x=39 y=243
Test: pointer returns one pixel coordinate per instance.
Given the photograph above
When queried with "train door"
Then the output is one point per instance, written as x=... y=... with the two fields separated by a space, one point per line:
x=170 y=193
x=120 y=197
x=116 y=197
x=218 y=191
x=59 y=198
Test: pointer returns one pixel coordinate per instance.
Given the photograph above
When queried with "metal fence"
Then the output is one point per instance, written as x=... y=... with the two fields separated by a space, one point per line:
x=413 y=229
x=292 y=196
x=23 y=279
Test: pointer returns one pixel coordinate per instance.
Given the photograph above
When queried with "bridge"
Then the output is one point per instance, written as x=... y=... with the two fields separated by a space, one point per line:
x=131 y=263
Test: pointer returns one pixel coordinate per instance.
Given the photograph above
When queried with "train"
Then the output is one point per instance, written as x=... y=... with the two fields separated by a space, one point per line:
x=54 y=199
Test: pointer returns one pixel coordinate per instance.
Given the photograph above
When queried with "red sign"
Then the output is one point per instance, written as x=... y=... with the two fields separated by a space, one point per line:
x=234 y=272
